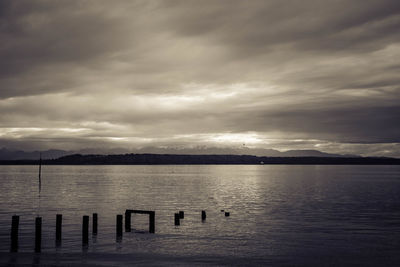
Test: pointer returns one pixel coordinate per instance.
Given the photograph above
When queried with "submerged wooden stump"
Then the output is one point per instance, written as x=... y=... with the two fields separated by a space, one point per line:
x=14 y=233
x=94 y=224
x=152 y=218
x=85 y=230
x=152 y=222
x=177 y=217
x=58 y=229
x=203 y=215
x=38 y=234
x=127 y=221
x=119 y=226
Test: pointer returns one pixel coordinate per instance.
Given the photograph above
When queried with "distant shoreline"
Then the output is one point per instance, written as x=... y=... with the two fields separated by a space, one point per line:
x=176 y=159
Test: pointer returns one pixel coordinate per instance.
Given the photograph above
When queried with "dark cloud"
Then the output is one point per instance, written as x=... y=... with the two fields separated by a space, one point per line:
x=301 y=74
x=371 y=124
x=310 y=25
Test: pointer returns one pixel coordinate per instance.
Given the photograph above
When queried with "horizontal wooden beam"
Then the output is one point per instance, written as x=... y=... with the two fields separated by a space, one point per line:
x=141 y=211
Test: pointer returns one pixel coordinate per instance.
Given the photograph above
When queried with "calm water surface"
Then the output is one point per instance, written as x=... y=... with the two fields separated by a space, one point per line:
x=280 y=214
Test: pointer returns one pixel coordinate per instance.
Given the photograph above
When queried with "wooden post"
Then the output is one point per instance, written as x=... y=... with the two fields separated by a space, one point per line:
x=38 y=234
x=14 y=233
x=181 y=215
x=58 y=229
x=177 y=222
x=85 y=230
x=203 y=215
x=227 y=214
x=152 y=221
x=119 y=226
x=94 y=224
x=127 y=221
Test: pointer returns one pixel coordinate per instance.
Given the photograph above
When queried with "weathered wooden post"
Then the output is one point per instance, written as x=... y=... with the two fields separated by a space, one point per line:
x=203 y=215
x=38 y=234
x=127 y=221
x=85 y=230
x=14 y=233
x=119 y=226
x=152 y=221
x=94 y=224
x=227 y=214
x=181 y=214
x=58 y=229
x=177 y=222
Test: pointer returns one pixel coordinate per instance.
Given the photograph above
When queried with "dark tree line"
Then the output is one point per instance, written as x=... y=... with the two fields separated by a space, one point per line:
x=157 y=159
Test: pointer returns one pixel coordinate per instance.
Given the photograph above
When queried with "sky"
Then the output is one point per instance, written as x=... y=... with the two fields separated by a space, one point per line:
x=271 y=74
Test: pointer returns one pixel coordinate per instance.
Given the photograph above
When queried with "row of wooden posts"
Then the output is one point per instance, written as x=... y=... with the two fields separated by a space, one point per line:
x=85 y=227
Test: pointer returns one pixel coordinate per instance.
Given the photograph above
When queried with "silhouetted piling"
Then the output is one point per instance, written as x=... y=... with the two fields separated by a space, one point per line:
x=152 y=222
x=127 y=221
x=94 y=224
x=85 y=230
x=177 y=222
x=14 y=233
x=58 y=229
x=227 y=214
x=181 y=214
x=203 y=215
x=119 y=226
x=38 y=234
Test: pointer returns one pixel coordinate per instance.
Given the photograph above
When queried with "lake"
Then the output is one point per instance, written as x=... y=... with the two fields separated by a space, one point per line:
x=281 y=215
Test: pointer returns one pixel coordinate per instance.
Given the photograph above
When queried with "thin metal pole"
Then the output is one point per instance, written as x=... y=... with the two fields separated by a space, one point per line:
x=40 y=173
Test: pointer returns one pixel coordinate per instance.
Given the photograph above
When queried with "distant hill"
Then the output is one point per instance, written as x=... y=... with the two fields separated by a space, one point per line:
x=158 y=159
x=7 y=154
x=261 y=152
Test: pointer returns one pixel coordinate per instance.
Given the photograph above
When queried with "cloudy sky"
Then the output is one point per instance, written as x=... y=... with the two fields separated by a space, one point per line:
x=276 y=74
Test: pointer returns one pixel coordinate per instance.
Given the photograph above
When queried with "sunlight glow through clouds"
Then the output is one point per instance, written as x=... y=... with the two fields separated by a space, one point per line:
x=244 y=138
x=201 y=73
x=224 y=139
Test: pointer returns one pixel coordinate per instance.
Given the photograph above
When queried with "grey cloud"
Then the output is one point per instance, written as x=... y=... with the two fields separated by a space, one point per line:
x=42 y=40
x=307 y=70
x=371 y=124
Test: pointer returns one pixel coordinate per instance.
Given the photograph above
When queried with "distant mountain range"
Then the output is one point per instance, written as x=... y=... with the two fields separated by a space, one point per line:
x=260 y=152
x=7 y=154
x=158 y=159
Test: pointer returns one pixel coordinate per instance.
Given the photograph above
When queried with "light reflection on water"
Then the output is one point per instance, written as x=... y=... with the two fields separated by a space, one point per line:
x=276 y=211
